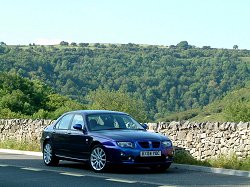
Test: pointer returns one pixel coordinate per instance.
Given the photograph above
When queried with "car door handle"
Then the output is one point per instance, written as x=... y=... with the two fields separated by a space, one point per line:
x=68 y=132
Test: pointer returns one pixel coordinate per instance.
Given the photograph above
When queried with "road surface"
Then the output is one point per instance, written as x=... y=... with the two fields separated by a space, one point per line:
x=23 y=170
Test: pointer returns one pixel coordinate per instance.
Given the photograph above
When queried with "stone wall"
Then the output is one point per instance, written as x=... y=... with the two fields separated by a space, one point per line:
x=22 y=129
x=207 y=140
x=202 y=140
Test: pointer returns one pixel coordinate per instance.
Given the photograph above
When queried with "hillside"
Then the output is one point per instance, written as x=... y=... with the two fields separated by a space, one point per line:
x=168 y=79
x=23 y=98
x=234 y=106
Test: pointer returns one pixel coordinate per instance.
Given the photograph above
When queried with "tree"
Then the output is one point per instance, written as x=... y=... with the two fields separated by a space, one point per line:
x=183 y=45
x=2 y=43
x=97 y=45
x=83 y=44
x=63 y=43
x=235 y=47
x=21 y=97
x=206 y=47
x=117 y=101
x=147 y=73
x=238 y=111
x=73 y=44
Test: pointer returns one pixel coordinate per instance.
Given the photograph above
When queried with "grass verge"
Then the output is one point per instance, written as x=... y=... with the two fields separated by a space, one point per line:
x=20 y=145
x=223 y=161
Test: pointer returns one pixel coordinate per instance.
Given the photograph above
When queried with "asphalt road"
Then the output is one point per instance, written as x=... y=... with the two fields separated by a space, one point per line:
x=23 y=170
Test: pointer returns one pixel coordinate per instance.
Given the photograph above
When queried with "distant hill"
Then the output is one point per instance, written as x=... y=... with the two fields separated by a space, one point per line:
x=235 y=106
x=168 y=79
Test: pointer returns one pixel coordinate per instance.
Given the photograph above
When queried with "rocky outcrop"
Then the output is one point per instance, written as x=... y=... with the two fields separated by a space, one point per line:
x=201 y=140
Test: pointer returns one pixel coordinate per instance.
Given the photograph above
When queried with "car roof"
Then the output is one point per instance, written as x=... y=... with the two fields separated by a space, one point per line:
x=87 y=112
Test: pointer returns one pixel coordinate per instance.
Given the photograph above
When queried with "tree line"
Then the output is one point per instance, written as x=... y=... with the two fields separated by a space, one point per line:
x=166 y=79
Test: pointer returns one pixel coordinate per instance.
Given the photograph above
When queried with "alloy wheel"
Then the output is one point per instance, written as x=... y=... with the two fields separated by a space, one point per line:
x=98 y=159
x=47 y=154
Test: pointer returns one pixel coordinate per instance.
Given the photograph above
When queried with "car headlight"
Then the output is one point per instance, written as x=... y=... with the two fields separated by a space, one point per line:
x=166 y=143
x=126 y=144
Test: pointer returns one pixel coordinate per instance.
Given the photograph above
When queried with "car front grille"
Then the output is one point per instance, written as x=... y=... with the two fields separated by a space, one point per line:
x=144 y=144
x=155 y=144
x=148 y=144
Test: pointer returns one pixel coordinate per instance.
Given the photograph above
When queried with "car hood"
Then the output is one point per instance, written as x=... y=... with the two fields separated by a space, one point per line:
x=129 y=135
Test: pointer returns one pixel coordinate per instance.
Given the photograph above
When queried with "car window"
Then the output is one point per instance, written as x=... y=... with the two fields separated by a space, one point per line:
x=64 y=122
x=111 y=121
x=78 y=119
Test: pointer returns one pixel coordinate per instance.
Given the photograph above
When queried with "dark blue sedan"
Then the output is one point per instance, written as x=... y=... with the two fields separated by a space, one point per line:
x=104 y=138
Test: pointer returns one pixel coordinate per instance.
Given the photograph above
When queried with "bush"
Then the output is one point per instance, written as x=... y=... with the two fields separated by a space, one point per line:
x=238 y=111
x=118 y=101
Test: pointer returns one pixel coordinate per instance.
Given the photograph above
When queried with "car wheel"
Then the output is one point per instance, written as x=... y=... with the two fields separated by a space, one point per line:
x=49 y=157
x=160 y=168
x=98 y=159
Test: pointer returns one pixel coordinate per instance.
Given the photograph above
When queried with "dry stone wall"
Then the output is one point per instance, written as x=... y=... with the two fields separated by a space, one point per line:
x=22 y=129
x=201 y=140
x=209 y=139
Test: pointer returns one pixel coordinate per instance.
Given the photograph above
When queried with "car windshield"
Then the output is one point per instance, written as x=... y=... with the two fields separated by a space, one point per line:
x=111 y=122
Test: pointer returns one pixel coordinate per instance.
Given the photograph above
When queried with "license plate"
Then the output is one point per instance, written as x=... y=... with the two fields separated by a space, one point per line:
x=150 y=153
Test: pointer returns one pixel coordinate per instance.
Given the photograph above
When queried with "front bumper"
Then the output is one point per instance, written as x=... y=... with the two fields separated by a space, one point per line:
x=127 y=156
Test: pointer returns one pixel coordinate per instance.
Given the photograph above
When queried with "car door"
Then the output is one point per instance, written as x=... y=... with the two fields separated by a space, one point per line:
x=78 y=139
x=60 y=135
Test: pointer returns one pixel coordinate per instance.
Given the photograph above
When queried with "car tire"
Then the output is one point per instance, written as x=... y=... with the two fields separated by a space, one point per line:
x=98 y=159
x=49 y=157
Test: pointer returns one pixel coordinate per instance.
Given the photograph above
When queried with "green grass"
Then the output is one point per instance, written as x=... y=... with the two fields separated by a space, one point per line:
x=183 y=157
x=223 y=161
x=23 y=145
x=231 y=162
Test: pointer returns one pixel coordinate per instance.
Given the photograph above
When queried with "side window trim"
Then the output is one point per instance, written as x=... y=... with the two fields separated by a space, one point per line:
x=57 y=124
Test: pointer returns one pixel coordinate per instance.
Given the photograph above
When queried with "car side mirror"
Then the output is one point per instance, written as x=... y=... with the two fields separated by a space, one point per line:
x=77 y=126
x=145 y=126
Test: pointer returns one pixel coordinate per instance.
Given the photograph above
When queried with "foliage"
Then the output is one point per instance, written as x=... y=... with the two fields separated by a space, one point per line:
x=183 y=45
x=223 y=161
x=234 y=106
x=23 y=98
x=183 y=157
x=231 y=162
x=235 y=47
x=168 y=80
x=238 y=111
x=117 y=101
x=63 y=43
x=20 y=145
x=178 y=116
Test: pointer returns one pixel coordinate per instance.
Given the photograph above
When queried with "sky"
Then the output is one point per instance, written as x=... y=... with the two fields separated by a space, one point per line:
x=215 y=23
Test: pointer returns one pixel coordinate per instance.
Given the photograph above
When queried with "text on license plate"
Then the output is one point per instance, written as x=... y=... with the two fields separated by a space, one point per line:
x=150 y=153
